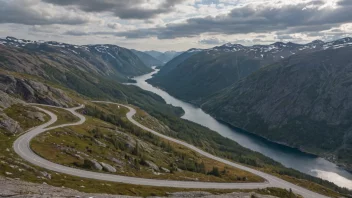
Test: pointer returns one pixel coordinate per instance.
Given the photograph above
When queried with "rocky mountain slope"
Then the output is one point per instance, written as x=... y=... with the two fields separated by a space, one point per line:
x=164 y=57
x=303 y=101
x=210 y=70
x=172 y=64
x=107 y=60
x=95 y=71
x=147 y=59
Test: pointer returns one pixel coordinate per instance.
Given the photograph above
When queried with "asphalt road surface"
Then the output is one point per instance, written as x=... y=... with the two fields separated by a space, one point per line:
x=22 y=148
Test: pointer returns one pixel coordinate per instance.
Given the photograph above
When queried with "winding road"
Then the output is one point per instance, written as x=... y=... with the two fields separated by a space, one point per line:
x=22 y=148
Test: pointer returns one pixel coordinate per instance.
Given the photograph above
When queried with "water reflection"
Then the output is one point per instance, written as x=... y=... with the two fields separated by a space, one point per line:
x=289 y=157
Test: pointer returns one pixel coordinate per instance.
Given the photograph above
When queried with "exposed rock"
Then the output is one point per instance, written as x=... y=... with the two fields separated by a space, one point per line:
x=152 y=165
x=93 y=164
x=108 y=167
x=9 y=125
x=117 y=162
x=20 y=189
x=46 y=175
x=165 y=170
x=36 y=115
x=99 y=143
x=6 y=100
x=33 y=91
x=209 y=195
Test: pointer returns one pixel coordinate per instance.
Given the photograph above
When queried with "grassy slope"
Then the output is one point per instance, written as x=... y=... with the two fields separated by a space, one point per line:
x=14 y=167
x=61 y=145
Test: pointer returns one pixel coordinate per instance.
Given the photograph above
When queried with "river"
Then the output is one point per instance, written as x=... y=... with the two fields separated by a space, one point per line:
x=289 y=157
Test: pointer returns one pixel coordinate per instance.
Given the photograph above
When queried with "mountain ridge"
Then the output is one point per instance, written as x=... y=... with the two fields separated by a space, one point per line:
x=210 y=70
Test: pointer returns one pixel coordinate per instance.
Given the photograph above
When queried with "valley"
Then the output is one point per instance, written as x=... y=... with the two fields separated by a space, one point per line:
x=104 y=143
x=292 y=158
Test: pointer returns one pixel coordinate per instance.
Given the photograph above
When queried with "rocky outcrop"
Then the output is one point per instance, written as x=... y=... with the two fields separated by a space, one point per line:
x=9 y=125
x=92 y=164
x=36 y=115
x=6 y=100
x=108 y=167
x=33 y=91
x=21 y=189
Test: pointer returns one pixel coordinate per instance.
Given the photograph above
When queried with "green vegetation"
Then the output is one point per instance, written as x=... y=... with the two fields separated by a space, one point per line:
x=216 y=144
x=131 y=150
x=12 y=166
x=27 y=116
x=63 y=116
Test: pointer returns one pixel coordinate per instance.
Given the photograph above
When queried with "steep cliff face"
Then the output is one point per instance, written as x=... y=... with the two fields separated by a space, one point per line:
x=303 y=101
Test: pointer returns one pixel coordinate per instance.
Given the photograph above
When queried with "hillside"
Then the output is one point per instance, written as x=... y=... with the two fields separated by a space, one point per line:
x=303 y=101
x=42 y=58
x=46 y=76
x=172 y=64
x=163 y=57
x=208 y=71
x=29 y=67
x=147 y=59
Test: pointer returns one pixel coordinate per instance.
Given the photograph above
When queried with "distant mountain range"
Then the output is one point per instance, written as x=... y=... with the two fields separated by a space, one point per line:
x=297 y=95
x=200 y=73
x=164 y=57
x=147 y=59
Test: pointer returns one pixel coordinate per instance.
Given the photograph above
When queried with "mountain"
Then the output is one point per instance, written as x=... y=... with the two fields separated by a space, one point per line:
x=210 y=70
x=164 y=57
x=68 y=75
x=177 y=60
x=108 y=60
x=147 y=59
x=303 y=101
x=33 y=70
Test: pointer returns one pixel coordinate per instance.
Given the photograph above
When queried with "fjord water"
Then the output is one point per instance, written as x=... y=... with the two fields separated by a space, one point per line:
x=289 y=157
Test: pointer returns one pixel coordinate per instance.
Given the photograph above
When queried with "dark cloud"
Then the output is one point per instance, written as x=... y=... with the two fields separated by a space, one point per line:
x=249 y=19
x=20 y=12
x=124 y=9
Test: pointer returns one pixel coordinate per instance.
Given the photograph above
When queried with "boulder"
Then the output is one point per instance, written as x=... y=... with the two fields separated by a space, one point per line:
x=9 y=125
x=108 y=167
x=36 y=115
x=93 y=164
x=118 y=162
x=152 y=165
x=165 y=170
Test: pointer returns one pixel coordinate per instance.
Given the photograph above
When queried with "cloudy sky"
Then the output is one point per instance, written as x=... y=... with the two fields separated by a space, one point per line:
x=176 y=24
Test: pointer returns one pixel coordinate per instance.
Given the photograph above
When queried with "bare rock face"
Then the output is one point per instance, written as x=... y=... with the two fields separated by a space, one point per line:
x=33 y=91
x=9 y=125
x=6 y=100
x=93 y=164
